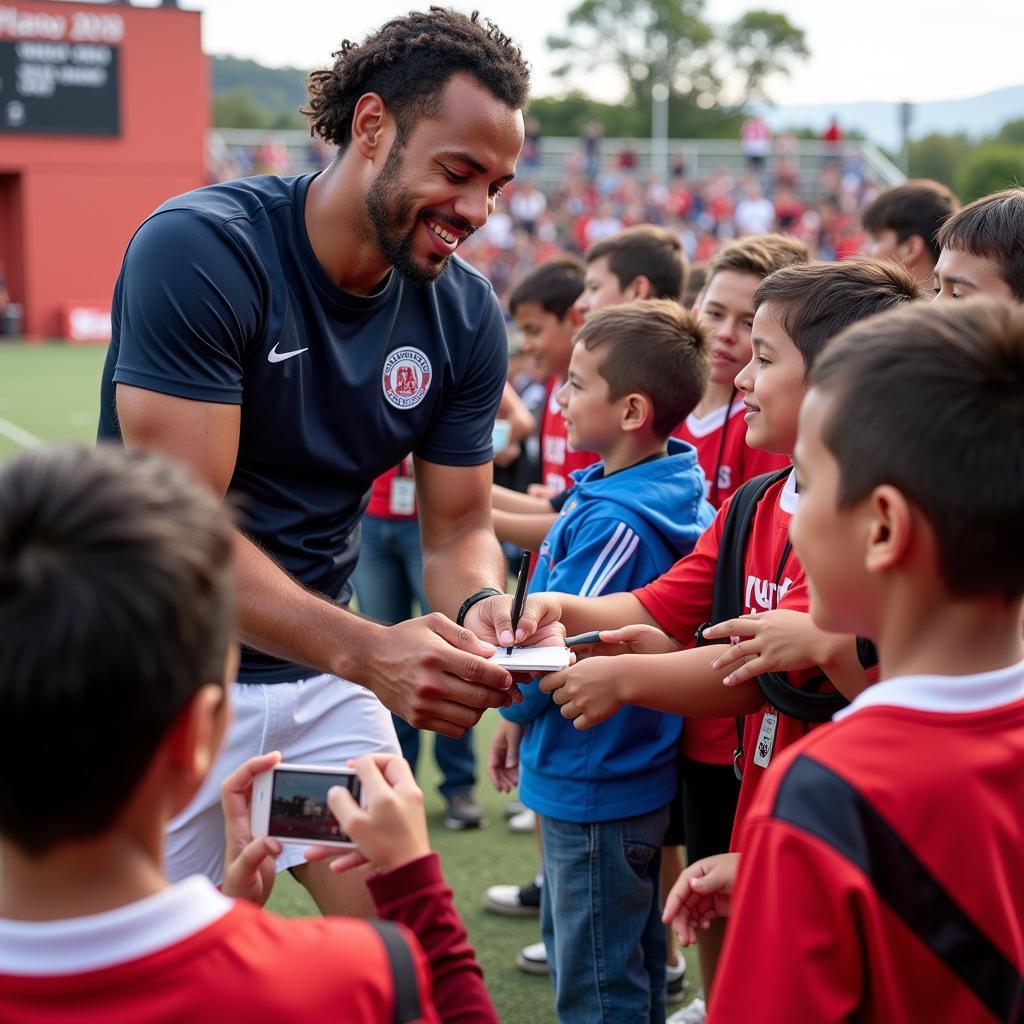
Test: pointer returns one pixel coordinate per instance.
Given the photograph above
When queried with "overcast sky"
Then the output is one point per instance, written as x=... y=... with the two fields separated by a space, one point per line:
x=860 y=49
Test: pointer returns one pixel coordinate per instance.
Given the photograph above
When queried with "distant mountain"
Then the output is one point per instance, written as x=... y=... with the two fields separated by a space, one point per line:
x=276 y=90
x=976 y=116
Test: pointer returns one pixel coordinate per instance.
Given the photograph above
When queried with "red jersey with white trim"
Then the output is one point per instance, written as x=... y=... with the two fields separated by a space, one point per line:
x=720 y=438
x=726 y=460
x=881 y=874
x=558 y=457
x=680 y=602
x=190 y=955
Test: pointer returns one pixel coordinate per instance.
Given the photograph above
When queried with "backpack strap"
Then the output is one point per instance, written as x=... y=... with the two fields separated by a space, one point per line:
x=403 y=973
x=806 y=703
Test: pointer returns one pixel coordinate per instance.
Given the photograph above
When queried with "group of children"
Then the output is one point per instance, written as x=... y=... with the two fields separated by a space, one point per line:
x=868 y=868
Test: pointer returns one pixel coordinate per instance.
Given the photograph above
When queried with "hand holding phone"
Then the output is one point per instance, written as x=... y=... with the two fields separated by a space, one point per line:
x=390 y=828
x=249 y=864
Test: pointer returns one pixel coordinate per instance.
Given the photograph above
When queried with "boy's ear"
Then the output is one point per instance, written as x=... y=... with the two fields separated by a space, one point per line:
x=637 y=411
x=193 y=741
x=369 y=119
x=912 y=251
x=573 y=317
x=890 y=528
x=640 y=287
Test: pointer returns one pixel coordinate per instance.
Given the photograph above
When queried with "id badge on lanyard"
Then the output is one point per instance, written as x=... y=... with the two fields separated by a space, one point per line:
x=402 y=497
x=766 y=738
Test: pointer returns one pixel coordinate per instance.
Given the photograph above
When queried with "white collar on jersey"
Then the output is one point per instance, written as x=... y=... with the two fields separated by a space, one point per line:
x=77 y=944
x=701 y=426
x=789 y=499
x=945 y=694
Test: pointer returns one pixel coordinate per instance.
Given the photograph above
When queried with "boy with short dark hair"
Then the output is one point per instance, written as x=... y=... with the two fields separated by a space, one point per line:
x=902 y=223
x=983 y=249
x=861 y=896
x=603 y=796
x=116 y=645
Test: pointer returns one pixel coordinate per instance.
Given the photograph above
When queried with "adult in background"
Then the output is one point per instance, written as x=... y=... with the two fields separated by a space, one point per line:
x=293 y=338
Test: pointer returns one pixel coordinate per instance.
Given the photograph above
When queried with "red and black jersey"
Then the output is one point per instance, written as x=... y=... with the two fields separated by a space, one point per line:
x=881 y=875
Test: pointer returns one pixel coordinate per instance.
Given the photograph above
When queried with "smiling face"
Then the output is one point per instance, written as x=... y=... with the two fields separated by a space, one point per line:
x=960 y=274
x=772 y=384
x=441 y=183
x=727 y=310
x=591 y=418
x=546 y=337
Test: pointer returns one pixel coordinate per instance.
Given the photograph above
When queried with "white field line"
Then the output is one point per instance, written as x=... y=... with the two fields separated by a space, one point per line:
x=21 y=437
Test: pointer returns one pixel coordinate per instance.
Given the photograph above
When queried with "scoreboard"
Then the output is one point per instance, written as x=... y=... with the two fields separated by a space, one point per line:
x=59 y=74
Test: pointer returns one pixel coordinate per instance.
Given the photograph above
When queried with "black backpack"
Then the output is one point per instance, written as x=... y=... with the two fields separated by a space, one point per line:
x=806 y=703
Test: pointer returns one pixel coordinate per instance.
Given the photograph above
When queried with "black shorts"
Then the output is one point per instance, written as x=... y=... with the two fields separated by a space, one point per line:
x=704 y=809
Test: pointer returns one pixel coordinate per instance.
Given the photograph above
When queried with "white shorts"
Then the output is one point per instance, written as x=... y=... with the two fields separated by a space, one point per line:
x=320 y=720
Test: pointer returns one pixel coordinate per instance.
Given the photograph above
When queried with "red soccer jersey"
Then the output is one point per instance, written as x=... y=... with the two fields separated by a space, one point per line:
x=680 y=601
x=558 y=457
x=881 y=877
x=720 y=438
x=191 y=956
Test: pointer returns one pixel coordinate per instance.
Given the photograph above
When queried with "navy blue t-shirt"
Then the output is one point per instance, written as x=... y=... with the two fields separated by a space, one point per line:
x=221 y=299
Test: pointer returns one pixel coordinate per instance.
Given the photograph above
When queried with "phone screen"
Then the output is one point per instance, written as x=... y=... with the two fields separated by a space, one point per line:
x=298 y=805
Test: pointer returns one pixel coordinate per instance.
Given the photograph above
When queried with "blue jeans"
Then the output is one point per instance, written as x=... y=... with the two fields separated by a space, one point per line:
x=601 y=919
x=388 y=580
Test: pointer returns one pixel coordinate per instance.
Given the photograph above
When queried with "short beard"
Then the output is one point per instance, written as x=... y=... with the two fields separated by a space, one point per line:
x=389 y=211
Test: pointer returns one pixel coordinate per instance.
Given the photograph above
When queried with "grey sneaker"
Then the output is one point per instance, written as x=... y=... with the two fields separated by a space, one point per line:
x=675 y=981
x=463 y=812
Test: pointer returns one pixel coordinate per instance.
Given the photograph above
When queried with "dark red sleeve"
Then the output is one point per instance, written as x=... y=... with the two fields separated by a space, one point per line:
x=417 y=896
x=680 y=599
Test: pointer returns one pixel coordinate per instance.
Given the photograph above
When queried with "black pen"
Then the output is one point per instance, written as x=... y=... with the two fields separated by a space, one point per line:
x=520 y=598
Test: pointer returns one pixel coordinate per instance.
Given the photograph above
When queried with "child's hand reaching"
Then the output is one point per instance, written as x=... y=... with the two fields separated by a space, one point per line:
x=701 y=893
x=587 y=691
x=249 y=864
x=775 y=641
x=637 y=639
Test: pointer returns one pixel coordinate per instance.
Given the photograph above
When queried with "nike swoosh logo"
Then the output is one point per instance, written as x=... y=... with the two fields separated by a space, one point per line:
x=273 y=356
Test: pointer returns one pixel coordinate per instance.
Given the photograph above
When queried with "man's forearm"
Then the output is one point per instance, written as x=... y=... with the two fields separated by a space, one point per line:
x=460 y=566
x=685 y=683
x=278 y=616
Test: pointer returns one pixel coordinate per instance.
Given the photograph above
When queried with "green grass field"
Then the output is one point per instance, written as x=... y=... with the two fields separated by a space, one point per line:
x=50 y=392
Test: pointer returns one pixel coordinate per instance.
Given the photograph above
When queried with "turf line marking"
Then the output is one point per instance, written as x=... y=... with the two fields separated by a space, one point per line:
x=21 y=437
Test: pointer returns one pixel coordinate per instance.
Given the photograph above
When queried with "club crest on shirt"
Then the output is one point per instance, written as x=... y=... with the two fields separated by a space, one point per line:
x=406 y=377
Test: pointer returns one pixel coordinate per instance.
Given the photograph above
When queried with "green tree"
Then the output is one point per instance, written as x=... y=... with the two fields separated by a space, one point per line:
x=764 y=44
x=939 y=156
x=1012 y=132
x=988 y=168
x=671 y=42
x=236 y=109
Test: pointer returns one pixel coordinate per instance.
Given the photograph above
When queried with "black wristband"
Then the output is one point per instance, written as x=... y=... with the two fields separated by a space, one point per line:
x=480 y=595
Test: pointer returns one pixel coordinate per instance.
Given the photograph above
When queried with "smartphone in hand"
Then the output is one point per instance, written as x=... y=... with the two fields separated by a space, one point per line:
x=290 y=803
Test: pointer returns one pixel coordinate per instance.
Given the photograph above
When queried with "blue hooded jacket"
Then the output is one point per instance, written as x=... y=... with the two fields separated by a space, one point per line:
x=615 y=533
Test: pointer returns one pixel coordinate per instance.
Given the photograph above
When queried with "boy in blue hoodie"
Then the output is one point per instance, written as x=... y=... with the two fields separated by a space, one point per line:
x=636 y=371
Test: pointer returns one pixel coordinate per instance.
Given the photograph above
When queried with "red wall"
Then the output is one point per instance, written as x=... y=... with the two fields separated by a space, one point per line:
x=77 y=199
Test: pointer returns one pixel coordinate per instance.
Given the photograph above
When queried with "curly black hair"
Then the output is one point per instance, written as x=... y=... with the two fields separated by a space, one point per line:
x=407 y=62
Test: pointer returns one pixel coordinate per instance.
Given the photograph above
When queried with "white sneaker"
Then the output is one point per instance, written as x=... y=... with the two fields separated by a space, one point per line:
x=533 y=959
x=694 y=1013
x=524 y=821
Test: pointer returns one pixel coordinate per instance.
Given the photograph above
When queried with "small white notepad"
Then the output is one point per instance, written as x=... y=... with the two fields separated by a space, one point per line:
x=533 y=659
